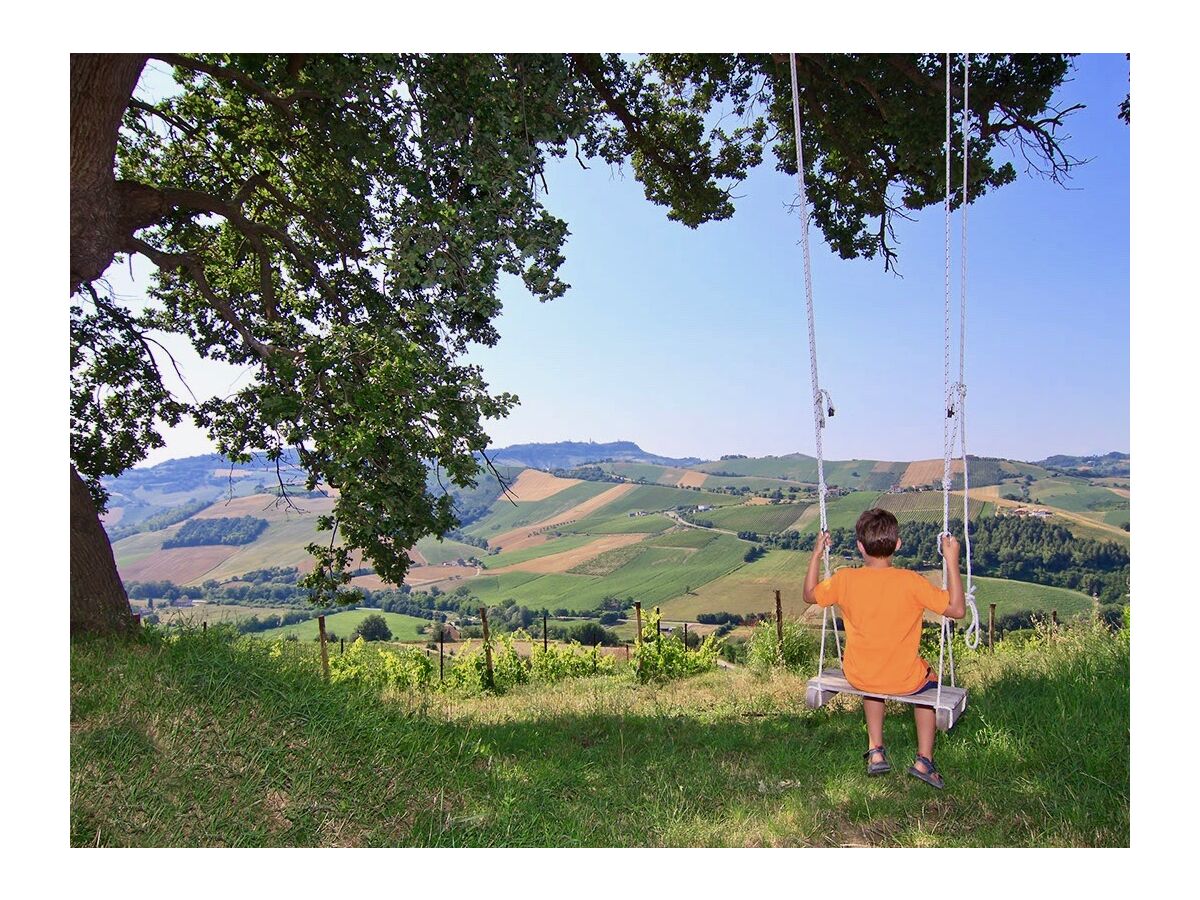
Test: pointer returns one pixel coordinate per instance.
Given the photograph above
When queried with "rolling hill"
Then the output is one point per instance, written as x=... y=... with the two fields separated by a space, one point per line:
x=567 y=541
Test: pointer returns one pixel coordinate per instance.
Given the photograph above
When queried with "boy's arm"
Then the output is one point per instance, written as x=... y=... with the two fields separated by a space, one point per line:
x=813 y=576
x=958 y=600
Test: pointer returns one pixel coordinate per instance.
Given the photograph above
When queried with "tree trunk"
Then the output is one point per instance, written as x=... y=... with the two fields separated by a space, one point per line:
x=101 y=86
x=98 y=601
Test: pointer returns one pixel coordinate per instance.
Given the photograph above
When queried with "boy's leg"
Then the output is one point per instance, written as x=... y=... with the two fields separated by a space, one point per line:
x=926 y=731
x=873 y=709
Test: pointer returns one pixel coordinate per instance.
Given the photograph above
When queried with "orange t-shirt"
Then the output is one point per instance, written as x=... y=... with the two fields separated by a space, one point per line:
x=882 y=609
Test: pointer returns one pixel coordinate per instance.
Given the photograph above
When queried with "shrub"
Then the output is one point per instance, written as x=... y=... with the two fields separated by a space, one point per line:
x=469 y=673
x=659 y=658
x=590 y=633
x=380 y=668
x=799 y=652
x=557 y=662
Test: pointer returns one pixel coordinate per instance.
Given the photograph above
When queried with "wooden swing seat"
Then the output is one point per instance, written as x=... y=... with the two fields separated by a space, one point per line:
x=833 y=681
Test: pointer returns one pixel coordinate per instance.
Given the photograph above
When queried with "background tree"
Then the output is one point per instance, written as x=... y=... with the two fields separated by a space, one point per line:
x=373 y=628
x=340 y=223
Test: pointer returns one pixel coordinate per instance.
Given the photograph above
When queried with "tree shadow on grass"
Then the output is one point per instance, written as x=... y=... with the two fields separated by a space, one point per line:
x=246 y=753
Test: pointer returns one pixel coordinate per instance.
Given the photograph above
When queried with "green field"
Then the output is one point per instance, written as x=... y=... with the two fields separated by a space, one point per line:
x=643 y=498
x=437 y=552
x=749 y=589
x=549 y=548
x=794 y=467
x=926 y=506
x=647 y=472
x=1011 y=596
x=1076 y=495
x=842 y=512
x=600 y=523
x=767 y=519
x=404 y=628
x=506 y=515
x=211 y=613
x=657 y=573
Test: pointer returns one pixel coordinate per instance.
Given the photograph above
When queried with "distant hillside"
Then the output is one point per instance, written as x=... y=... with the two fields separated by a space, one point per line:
x=151 y=497
x=1110 y=465
x=568 y=454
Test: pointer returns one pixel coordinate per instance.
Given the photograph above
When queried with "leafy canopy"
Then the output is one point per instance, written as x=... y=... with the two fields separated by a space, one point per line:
x=341 y=223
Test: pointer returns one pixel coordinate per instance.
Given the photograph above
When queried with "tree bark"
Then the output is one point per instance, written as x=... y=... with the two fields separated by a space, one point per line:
x=101 y=87
x=99 y=604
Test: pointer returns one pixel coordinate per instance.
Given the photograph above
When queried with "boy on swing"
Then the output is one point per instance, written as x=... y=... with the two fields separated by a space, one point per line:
x=883 y=607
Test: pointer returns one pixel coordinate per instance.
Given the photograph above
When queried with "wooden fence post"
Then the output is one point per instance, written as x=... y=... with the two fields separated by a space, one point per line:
x=137 y=619
x=442 y=654
x=658 y=616
x=324 y=648
x=991 y=626
x=637 y=611
x=545 y=633
x=487 y=647
x=342 y=647
x=204 y=626
x=1054 y=617
x=685 y=643
x=779 y=624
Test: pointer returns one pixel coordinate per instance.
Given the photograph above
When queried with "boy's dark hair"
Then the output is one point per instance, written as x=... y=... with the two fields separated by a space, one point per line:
x=878 y=531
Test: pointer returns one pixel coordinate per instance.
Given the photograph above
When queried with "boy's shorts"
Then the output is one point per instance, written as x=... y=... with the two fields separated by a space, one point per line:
x=930 y=682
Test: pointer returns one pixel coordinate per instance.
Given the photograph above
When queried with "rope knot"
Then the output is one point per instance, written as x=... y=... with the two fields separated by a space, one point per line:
x=824 y=405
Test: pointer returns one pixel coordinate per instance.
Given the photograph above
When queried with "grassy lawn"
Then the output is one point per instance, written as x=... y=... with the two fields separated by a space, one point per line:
x=200 y=741
x=404 y=628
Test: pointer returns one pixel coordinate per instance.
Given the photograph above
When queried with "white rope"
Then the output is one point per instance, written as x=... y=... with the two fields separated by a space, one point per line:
x=954 y=425
x=821 y=402
x=947 y=436
x=972 y=634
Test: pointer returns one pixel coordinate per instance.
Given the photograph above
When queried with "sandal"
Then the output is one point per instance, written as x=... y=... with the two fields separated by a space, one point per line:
x=877 y=768
x=931 y=776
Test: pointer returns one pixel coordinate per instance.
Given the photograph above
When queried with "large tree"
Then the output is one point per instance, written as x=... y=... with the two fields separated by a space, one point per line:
x=340 y=223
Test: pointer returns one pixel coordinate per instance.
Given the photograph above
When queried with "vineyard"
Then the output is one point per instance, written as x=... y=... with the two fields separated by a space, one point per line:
x=926 y=506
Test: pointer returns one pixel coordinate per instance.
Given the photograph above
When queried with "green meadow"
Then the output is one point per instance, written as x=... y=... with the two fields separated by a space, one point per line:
x=403 y=628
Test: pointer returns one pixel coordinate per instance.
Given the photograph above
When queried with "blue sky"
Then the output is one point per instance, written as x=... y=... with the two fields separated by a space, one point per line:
x=692 y=342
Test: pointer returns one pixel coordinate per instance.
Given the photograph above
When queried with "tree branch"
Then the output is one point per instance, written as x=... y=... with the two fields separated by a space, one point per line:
x=193 y=266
